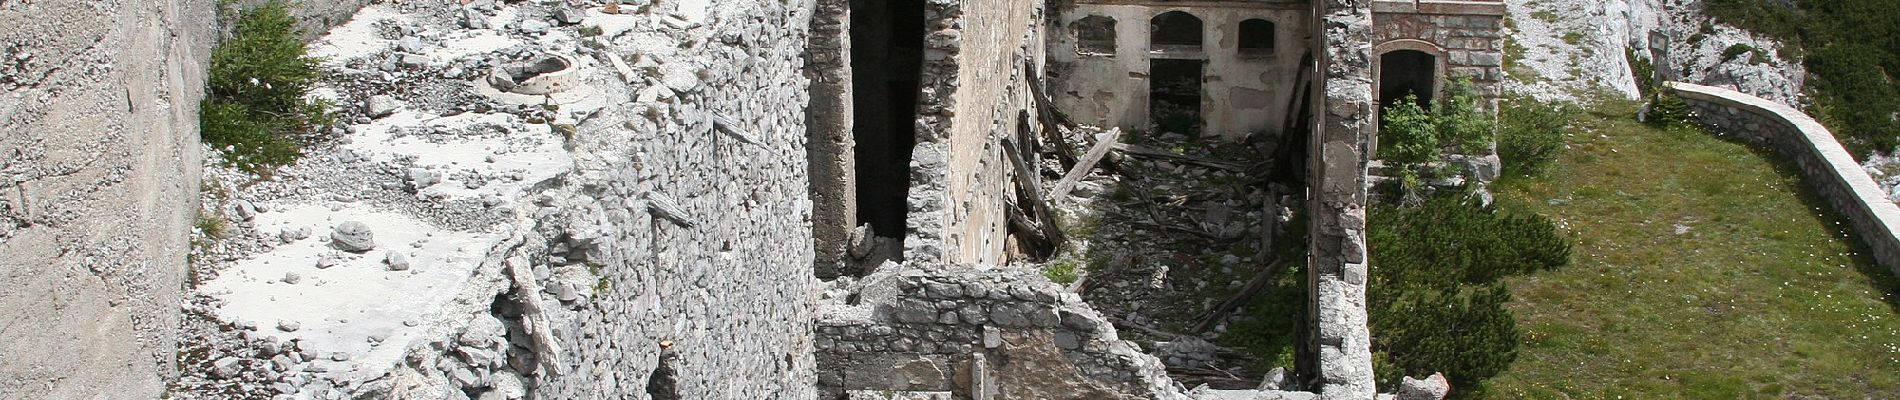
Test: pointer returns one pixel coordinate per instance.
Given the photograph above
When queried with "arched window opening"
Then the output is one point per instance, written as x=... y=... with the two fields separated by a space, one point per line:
x=1175 y=30
x=1256 y=37
x=1095 y=35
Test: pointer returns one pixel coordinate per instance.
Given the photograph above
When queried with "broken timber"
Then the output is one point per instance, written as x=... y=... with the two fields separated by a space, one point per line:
x=731 y=127
x=1254 y=286
x=1103 y=143
x=1026 y=183
x=665 y=208
x=1144 y=152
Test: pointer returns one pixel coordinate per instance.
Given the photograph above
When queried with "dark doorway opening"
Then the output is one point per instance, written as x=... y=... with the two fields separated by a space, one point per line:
x=1174 y=96
x=1406 y=72
x=887 y=44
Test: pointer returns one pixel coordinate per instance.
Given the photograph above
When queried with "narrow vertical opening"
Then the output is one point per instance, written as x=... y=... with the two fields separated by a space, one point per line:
x=1406 y=72
x=1174 y=96
x=887 y=44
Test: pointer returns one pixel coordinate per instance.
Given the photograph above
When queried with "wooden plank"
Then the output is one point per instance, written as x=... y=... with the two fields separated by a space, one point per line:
x=1145 y=152
x=1027 y=181
x=1103 y=143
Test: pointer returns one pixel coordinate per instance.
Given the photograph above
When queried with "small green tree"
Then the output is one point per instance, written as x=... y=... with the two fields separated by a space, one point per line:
x=259 y=79
x=1460 y=120
x=1407 y=138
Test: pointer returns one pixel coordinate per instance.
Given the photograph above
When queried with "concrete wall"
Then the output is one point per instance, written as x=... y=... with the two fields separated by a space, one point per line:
x=1466 y=38
x=99 y=144
x=1824 y=164
x=1242 y=94
x=974 y=88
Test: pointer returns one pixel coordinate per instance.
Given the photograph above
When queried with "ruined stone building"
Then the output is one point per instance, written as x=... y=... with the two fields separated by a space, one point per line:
x=737 y=199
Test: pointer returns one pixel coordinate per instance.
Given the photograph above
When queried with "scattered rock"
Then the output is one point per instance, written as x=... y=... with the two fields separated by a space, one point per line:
x=227 y=367
x=1431 y=388
x=292 y=278
x=535 y=26
x=326 y=261
x=381 y=105
x=288 y=325
x=568 y=16
x=352 y=236
x=245 y=209
x=410 y=44
x=474 y=19
x=396 y=261
x=293 y=233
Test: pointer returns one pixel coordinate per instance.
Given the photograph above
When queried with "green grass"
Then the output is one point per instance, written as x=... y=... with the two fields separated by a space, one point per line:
x=1763 y=297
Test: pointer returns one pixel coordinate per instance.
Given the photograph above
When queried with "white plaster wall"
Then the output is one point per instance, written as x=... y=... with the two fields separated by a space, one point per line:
x=1241 y=94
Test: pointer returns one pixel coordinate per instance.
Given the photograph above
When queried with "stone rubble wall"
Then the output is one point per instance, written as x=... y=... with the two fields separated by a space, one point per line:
x=718 y=291
x=974 y=87
x=912 y=328
x=828 y=136
x=1823 y=162
x=1467 y=37
x=98 y=152
x=1338 y=350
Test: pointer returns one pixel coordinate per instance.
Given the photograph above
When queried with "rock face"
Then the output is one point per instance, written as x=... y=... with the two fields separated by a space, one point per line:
x=99 y=152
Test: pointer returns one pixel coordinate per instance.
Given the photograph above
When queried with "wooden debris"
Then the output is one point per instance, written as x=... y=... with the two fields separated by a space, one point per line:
x=664 y=207
x=1026 y=183
x=731 y=127
x=1103 y=143
x=1144 y=152
x=1254 y=286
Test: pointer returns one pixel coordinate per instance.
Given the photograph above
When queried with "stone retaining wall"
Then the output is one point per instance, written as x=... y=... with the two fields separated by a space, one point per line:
x=969 y=329
x=1824 y=164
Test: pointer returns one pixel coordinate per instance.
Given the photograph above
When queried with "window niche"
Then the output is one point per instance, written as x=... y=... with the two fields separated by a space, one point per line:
x=1256 y=37
x=1095 y=35
x=1175 y=31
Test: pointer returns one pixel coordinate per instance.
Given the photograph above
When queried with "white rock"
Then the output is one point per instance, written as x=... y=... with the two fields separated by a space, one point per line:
x=353 y=236
x=396 y=261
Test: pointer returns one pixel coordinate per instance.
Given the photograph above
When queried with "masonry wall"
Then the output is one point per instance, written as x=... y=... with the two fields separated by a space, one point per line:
x=828 y=135
x=1466 y=37
x=1823 y=163
x=712 y=299
x=1242 y=94
x=974 y=87
x=1337 y=358
x=926 y=328
x=98 y=144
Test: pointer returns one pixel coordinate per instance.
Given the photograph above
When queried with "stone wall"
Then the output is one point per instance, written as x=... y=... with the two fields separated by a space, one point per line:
x=930 y=328
x=1337 y=358
x=99 y=147
x=1823 y=163
x=828 y=135
x=1242 y=94
x=974 y=87
x=1466 y=37
x=697 y=232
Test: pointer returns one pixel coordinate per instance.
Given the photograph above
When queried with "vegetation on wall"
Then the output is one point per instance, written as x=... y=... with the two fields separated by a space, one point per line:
x=1410 y=136
x=1852 y=53
x=259 y=80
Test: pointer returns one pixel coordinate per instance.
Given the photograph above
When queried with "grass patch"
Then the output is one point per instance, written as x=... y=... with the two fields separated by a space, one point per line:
x=1761 y=295
x=259 y=79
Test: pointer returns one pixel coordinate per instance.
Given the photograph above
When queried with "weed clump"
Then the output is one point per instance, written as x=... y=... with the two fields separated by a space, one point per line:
x=1531 y=134
x=258 y=84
